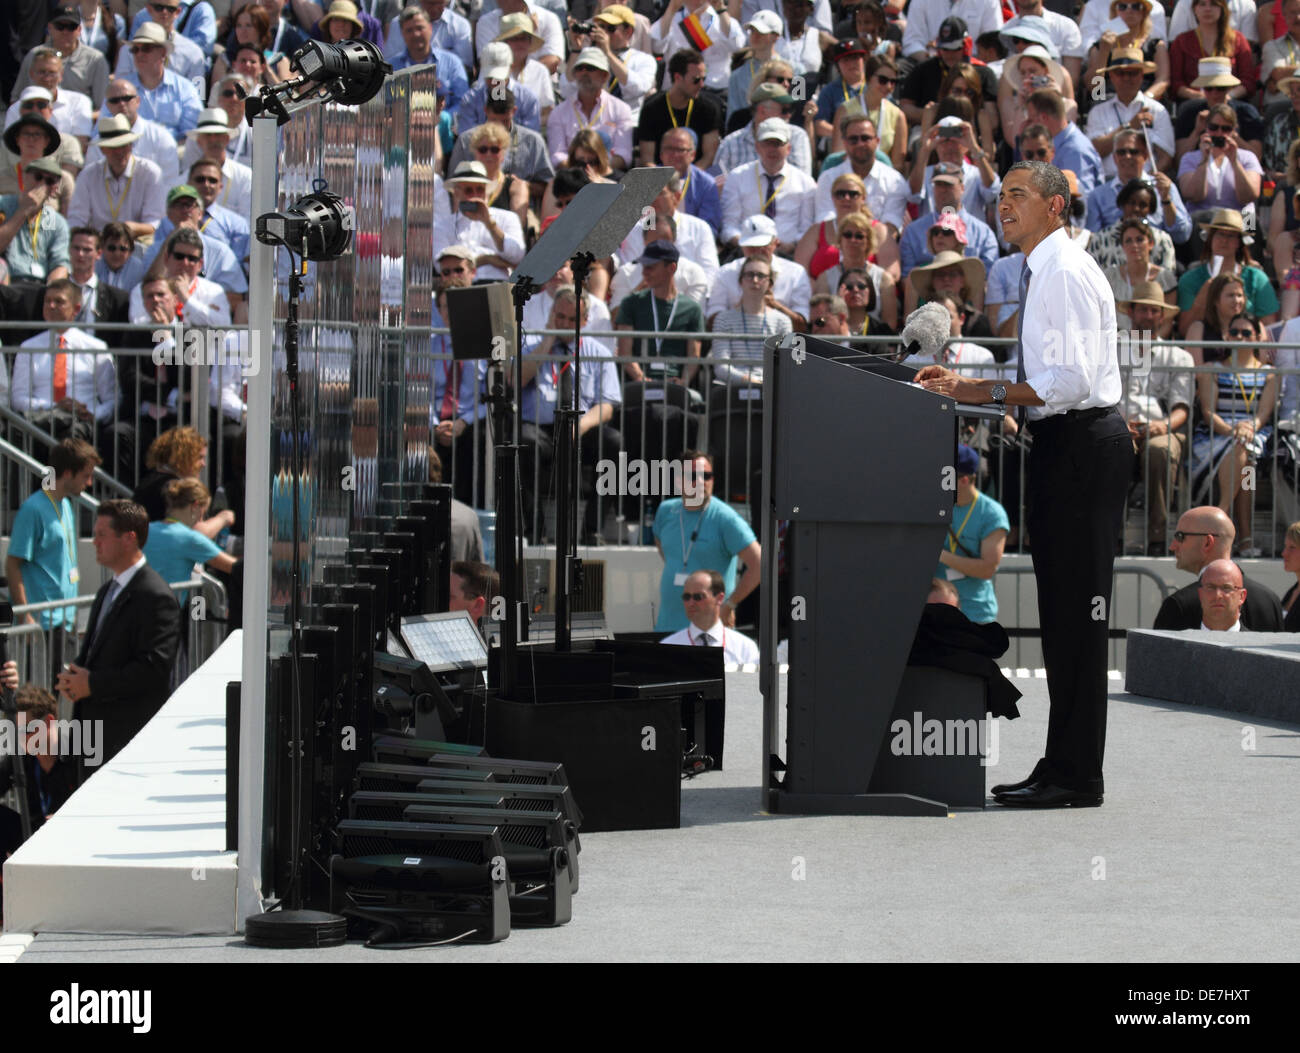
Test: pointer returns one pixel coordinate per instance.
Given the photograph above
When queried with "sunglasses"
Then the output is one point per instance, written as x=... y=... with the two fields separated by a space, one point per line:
x=1035 y=155
x=1244 y=333
x=855 y=286
x=1182 y=535
x=1128 y=151
x=487 y=149
x=706 y=476
x=696 y=80
x=117 y=100
x=165 y=7
x=66 y=27
x=848 y=193
x=33 y=104
x=697 y=597
x=49 y=180
x=1121 y=6
x=1221 y=127
x=186 y=256
x=229 y=93
x=887 y=81
x=854 y=139
x=117 y=248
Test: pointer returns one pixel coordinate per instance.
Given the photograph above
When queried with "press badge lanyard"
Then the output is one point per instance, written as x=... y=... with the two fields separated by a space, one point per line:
x=654 y=313
x=73 y=575
x=681 y=524
x=956 y=538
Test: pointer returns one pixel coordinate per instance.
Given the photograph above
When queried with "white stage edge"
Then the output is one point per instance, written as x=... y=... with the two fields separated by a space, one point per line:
x=140 y=848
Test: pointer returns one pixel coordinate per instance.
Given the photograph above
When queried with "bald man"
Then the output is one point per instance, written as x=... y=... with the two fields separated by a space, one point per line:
x=1204 y=535
x=1222 y=595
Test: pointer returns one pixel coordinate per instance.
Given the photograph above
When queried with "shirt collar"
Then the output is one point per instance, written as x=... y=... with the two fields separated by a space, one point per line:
x=1047 y=249
x=715 y=631
x=1235 y=627
x=124 y=579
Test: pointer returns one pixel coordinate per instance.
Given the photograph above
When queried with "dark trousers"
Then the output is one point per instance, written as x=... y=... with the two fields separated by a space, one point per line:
x=1078 y=474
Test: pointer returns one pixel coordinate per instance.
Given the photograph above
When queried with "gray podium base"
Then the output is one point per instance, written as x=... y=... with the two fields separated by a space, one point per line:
x=1251 y=673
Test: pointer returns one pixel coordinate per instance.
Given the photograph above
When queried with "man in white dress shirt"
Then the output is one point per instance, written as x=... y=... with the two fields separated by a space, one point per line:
x=493 y=232
x=64 y=382
x=887 y=190
x=201 y=302
x=1078 y=474
x=1130 y=107
x=694 y=236
x=155 y=143
x=790 y=287
x=119 y=186
x=770 y=186
x=702 y=597
x=631 y=72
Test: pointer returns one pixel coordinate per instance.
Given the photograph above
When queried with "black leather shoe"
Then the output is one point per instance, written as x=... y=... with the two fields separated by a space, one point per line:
x=1007 y=787
x=1045 y=795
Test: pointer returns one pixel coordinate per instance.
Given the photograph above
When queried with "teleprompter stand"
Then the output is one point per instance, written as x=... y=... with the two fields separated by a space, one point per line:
x=863 y=543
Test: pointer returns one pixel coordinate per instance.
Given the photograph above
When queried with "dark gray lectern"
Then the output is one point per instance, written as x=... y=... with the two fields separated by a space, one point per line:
x=861 y=464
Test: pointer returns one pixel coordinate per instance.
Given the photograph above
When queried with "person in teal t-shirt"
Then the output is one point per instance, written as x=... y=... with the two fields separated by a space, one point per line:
x=174 y=546
x=41 y=563
x=700 y=532
x=973 y=548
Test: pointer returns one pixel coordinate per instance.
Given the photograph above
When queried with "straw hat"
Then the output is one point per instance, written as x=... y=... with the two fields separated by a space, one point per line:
x=469 y=172
x=1228 y=219
x=1055 y=71
x=1148 y=293
x=343 y=11
x=1216 y=72
x=971 y=268
x=115 y=130
x=520 y=24
x=1127 y=59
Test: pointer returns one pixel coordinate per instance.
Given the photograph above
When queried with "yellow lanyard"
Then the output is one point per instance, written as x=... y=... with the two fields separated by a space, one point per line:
x=67 y=541
x=776 y=189
x=600 y=112
x=35 y=227
x=114 y=209
x=1247 y=399
x=673 y=117
x=952 y=543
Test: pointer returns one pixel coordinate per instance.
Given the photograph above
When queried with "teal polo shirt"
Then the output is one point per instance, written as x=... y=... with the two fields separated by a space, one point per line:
x=45 y=539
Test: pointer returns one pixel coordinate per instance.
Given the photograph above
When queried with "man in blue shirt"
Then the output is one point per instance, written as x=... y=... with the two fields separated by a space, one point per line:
x=695 y=532
x=166 y=97
x=417 y=33
x=976 y=538
x=41 y=564
x=1074 y=150
x=1130 y=163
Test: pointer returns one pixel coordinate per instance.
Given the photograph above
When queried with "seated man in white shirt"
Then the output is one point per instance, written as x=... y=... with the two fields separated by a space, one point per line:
x=202 y=302
x=1222 y=592
x=702 y=596
x=66 y=383
x=71 y=111
x=770 y=186
x=494 y=232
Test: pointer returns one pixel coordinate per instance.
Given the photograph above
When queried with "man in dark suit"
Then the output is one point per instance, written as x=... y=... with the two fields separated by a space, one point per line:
x=1205 y=534
x=122 y=673
x=100 y=302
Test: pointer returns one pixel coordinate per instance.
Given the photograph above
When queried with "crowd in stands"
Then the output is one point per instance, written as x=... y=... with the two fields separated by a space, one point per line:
x=837 y=164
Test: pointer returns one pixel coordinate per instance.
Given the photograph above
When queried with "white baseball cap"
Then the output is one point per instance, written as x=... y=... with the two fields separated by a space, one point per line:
x=756 y=231
x=773 y=128
x=766 y=22
x=497 y=58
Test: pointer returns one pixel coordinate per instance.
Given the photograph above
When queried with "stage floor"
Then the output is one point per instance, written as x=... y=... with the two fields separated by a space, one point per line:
x=1186 y=861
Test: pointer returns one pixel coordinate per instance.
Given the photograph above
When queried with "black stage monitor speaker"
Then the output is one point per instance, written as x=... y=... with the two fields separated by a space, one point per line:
x=478 y=314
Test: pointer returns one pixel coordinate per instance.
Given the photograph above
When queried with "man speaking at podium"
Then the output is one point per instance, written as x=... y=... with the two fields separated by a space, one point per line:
x=1079 y=468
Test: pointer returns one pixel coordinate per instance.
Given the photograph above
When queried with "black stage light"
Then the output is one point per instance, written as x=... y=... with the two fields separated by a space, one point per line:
x=316 y=227
x=350 y=73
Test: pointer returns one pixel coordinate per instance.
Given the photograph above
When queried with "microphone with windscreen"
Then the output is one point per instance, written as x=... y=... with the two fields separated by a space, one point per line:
x=926 y=330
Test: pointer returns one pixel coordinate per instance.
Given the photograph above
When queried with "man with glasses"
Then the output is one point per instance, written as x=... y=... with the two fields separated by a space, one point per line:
x=85 y=69
x=100 y=302
x=1129 y=156
x=886 y=189
x=1222 y=593
x=828 y=316
x=681 y=106
x=118 y=266
x=166 y=96
x=33 y=236
x=418 y=49
x=119 y=186
x=185 y=210
x=701 y=200
x=771 y=187
x=183 y=56
x=196 y=19
x=767 y=101
x=70 y=111
x=790 y=286
x=199 y=301
x=1205 y=534
x=218 y=222
x=154 y=143
x=212 y=135
x=702 y=600
x=1130 y=108
x=631 y=71
x=494 y=233
x=693 y=533
x=595 y=108
x=954 y=140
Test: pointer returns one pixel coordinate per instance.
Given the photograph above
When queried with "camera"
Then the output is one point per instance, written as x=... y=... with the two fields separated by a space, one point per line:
x=950 y=133
x=1219 y=140
x=583 y=28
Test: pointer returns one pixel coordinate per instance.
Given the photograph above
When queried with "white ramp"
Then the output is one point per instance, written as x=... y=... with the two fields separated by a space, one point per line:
x=140 y=847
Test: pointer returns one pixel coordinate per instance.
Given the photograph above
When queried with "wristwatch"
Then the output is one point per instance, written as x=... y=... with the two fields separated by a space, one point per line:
x=999 y=393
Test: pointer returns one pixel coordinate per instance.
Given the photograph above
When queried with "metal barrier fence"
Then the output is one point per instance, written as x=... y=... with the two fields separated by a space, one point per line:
x=41 y=653
x=653 y=423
